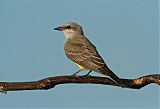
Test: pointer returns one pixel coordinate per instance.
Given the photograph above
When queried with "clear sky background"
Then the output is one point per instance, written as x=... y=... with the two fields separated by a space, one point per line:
x=125 y=33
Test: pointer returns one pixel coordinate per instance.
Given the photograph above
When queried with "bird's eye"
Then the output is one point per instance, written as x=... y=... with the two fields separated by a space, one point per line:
x=67 y=27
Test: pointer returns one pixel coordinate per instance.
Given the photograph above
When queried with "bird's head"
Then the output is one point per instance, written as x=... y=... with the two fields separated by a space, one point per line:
x=70 y=29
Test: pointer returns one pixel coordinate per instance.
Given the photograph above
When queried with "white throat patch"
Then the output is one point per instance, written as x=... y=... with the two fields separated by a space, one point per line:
x=69 y=33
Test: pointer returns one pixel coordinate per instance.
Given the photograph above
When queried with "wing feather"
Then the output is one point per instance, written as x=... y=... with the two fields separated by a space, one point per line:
x=84 y=54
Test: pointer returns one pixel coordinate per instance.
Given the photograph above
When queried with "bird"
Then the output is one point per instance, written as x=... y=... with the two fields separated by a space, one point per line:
x=83 y=53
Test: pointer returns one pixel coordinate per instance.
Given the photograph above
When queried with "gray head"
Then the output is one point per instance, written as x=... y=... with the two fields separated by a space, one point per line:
x=70 y=29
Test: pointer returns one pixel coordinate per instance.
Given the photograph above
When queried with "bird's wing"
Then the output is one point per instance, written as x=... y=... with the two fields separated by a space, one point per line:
x=84 y=53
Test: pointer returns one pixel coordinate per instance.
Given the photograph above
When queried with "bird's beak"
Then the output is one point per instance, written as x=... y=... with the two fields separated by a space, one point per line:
x=60 y=28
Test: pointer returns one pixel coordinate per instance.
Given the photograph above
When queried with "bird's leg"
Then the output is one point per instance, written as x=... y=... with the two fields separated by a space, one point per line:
x=75 y=74
x=88 y=73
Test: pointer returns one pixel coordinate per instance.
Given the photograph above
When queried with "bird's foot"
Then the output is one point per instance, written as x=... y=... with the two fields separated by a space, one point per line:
x=75 y=75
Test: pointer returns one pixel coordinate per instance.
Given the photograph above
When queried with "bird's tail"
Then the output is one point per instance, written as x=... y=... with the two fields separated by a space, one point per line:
x=113 y=77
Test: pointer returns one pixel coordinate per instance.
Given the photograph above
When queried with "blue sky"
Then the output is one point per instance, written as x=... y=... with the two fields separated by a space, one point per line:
x=125 y=33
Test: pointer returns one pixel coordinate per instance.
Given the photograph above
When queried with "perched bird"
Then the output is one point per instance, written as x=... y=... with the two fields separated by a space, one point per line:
x=83 y=53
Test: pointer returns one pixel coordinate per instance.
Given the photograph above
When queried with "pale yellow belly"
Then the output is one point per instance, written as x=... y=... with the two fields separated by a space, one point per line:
x=80 y=67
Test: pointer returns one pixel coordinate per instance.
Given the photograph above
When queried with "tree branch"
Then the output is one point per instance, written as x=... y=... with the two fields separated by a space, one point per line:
x=51 y=82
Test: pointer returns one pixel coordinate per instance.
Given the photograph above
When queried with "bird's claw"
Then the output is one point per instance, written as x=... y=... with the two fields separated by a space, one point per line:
x=75 y=75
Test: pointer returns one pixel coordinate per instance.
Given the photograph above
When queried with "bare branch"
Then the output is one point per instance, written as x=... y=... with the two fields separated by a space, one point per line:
x=51 y=82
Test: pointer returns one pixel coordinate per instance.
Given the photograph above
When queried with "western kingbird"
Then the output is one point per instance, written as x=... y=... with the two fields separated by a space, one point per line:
x=83 y=53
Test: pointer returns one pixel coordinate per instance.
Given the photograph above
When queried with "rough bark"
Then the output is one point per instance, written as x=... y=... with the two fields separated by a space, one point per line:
x=51 y=82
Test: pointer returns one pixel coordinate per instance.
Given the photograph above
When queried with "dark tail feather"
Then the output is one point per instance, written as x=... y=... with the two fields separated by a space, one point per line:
x=112 y=76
